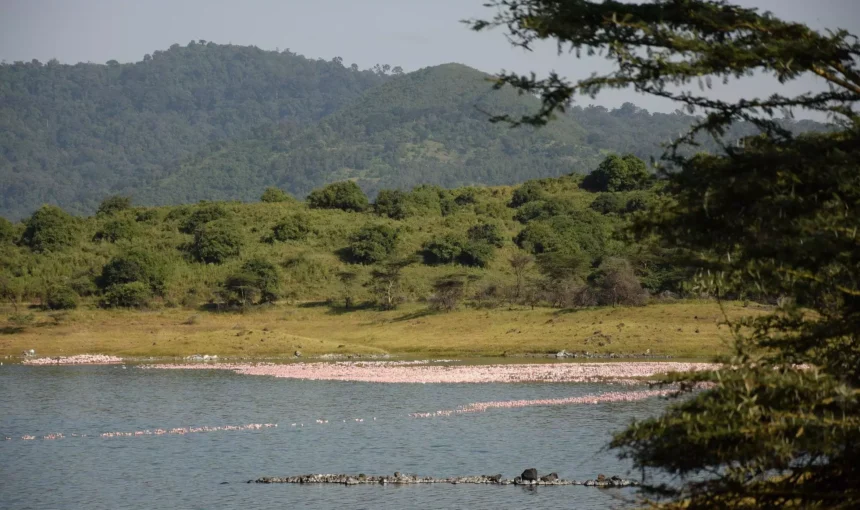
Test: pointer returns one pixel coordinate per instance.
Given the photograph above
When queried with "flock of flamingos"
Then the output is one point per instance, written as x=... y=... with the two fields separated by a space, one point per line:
x=420 y=372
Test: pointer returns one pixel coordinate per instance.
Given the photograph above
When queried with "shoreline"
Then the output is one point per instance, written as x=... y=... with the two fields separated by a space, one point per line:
x=682 y=330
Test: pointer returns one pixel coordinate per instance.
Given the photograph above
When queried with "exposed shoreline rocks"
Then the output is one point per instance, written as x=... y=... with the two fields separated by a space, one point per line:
x=409 y=479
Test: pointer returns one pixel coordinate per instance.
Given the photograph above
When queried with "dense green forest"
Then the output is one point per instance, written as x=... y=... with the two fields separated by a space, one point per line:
x=223 y=122
x=72 y=134
x=555 y=241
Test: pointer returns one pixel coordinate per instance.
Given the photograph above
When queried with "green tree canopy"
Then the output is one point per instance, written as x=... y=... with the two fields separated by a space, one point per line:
x=114 y=204
x=49 y=229
x=779 y=211
x=273 y=194
x=372 y=244
x=216 y=241
x=344 y=195
x=617 y=173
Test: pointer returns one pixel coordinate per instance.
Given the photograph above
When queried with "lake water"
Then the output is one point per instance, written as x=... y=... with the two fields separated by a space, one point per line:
x=188 y=471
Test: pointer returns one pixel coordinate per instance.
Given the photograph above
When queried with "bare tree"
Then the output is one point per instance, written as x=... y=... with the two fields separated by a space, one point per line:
x=519 y=263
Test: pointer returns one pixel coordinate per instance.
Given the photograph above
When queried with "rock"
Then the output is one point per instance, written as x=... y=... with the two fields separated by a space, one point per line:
x=601 y=478
x=495 y=478
x=397 y=474
x=529 y=475
x=561 y=354
x=550 y=477
x=298 y=354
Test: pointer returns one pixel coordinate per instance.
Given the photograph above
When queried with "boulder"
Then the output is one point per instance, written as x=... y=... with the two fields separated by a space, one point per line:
x=529 y=475
x=549 y=478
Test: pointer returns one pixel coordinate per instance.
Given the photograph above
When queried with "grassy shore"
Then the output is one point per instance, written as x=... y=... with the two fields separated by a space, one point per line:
x=688 y=329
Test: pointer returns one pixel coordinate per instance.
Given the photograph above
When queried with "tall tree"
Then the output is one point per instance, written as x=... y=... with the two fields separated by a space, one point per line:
x=780 y=212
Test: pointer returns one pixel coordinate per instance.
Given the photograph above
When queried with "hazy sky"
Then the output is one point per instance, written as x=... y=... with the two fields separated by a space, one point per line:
x=409 y=33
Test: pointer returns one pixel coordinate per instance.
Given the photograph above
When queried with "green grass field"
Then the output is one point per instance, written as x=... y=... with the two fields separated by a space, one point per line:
x=685 y=329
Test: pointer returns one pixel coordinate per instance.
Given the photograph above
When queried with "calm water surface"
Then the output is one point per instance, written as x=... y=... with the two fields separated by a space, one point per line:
x=188 y=471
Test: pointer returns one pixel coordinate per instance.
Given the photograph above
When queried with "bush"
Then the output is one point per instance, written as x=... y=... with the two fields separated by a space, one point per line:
x=257 y=282
x=146 y=215
x=543 y=209
x=617 y=284
x=477 y=254
x=372 y=244
x=113 y=205
x=344 y=195
x=609 y=203
x=127 y=295
x=443 y=250
x=618 y=173
x=273 y=194
x=537 y=237
x=216 y=242
x=115 y=230
x=295 y=228
x=61 y=298
x=204 y=214
x=488 y=233
x=529 y=191
x=391 y=203
x=7 y=231
x=49 y=229
x=83 y=285
x=447 y=293
x=133 y=267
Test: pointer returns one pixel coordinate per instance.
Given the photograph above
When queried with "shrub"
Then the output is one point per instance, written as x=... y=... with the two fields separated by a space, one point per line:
x=543 y=209
x=268 y=279
x=447 y=293
x=477 y=254
x=257 y=282
x=273 y=194
x=115 y=230
x=113 y=205
x=295 y=228
x=391 y=203
x=488 y=233
x=372 y=244
x=529 y=191
x=127 y=295
x=84 y=285
x=609 y=203
x=216 y=242
x=146 y=215
x=49 y=229
x=617 y=284
x=639 y=202
x=537 y=237
x=7 y=231
x=136 y=266
x=344 y=195
x=443 y=250
x=569 y=264
x=202 y=215
x=617 y=173
x=61 y=298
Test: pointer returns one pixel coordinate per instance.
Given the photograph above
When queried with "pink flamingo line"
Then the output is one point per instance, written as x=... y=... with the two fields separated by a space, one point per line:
x=612 y=396
x=156 y=432
x=189 y=430
x=387 y=372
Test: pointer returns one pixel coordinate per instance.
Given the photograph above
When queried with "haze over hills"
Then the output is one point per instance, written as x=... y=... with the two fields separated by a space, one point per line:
x=222 y=122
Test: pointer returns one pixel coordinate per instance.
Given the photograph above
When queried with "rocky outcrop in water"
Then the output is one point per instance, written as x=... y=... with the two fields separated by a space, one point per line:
x=407 y=479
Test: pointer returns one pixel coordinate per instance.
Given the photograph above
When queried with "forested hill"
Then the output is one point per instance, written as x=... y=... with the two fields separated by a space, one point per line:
x=71 y=134
x=429 y=126
x=223 y=122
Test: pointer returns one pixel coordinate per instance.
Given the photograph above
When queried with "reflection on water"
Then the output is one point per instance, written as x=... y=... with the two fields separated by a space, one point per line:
x=189 y=470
